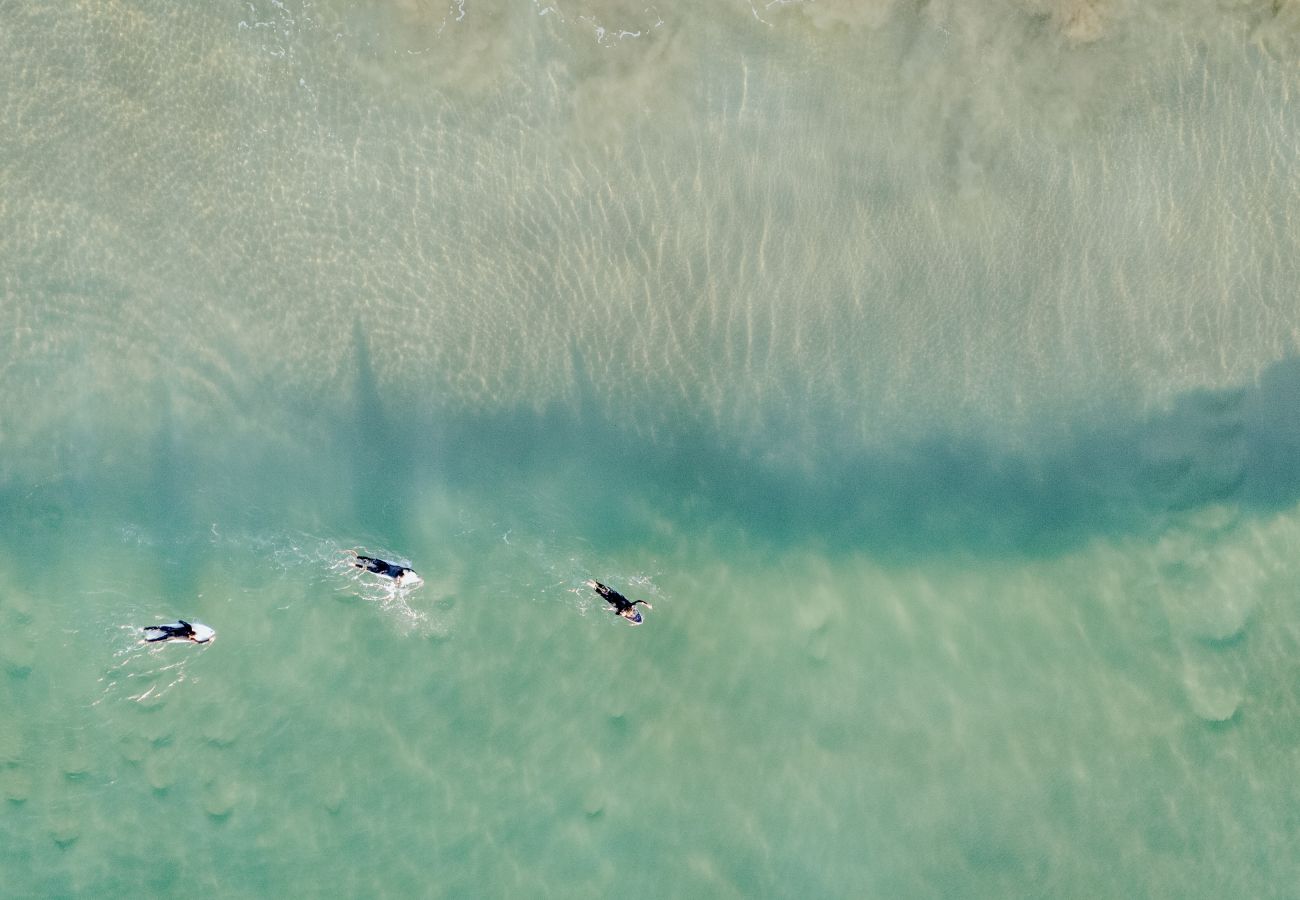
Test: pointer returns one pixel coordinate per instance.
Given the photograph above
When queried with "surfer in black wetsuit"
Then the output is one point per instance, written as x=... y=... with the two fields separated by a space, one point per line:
x=622 y=606
x=400 y=574
x=178 y=631
x=181 y=629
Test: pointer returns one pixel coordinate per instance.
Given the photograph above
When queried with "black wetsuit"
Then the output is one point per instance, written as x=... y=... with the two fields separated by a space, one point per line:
x=182 y=630
x=380 y=567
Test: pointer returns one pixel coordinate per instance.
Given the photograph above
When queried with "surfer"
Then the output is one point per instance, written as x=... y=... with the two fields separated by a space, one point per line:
x=178 y=631
x=400 y=574
x=622 y=606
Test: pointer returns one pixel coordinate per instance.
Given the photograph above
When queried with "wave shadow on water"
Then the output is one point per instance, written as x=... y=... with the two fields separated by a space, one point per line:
x=943 y=493
x=798 y=479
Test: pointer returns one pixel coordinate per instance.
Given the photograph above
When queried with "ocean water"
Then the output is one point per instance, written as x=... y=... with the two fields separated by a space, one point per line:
x=933 y=368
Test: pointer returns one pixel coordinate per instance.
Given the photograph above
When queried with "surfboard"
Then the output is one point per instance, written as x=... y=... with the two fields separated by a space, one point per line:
x=408 y=579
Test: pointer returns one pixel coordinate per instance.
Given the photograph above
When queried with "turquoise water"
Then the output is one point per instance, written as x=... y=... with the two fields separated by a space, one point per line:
x=931 y=368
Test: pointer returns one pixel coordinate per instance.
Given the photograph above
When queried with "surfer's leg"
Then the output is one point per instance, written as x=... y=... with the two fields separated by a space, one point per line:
x=614 y=597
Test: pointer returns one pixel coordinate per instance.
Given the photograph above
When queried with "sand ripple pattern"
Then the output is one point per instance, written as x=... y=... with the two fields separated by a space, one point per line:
x=824 y=235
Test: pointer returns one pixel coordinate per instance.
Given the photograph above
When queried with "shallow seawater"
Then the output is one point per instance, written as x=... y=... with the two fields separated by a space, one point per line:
x=932 y=368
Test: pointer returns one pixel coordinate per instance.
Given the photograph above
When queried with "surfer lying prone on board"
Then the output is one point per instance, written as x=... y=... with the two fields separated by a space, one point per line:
x=178 y=631
x=622 y=606
x=400 y=574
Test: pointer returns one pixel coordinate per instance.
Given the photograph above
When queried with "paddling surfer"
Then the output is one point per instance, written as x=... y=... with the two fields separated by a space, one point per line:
x=621 y=605
x=400 y=574
x=178 y=631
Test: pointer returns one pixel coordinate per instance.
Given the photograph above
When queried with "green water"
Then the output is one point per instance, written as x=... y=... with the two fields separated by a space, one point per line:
x=930 y=367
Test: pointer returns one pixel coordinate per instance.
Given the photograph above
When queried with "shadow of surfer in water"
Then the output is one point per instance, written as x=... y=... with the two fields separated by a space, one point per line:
x=621 y=605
